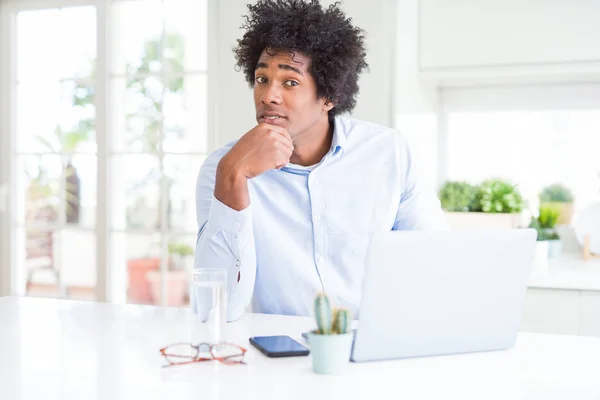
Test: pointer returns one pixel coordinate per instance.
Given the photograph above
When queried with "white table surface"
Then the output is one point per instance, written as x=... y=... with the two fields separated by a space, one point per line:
x=59 y=349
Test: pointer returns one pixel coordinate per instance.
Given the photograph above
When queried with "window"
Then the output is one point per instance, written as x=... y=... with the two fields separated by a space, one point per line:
x=147 y=141
x=530 y=148
x=159 y=103
x=56 y=155
x=532 y=136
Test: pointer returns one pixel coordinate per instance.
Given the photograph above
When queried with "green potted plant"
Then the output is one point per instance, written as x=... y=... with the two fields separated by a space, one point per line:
x=548 y=218
x=331 y=342
x=559 y=196
x=457 y=196
x=177 y=275
x=457 y=199
x=67 y=143
x=548 y=244
x=494 y=203
x=498 y=196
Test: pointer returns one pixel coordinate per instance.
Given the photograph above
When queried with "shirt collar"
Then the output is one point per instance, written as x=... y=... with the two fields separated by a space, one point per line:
x=338 y=142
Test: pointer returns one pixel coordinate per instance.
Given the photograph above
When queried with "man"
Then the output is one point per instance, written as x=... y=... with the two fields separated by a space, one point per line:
x=288 y=207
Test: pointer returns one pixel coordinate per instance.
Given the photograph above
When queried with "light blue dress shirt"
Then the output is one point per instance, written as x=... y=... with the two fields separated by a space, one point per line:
x=306 y=228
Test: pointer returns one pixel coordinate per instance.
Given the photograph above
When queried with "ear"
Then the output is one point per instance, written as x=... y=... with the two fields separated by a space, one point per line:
x=328 y=105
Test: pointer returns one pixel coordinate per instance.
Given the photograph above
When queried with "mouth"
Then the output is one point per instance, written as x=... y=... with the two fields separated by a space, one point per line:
x=271 y=118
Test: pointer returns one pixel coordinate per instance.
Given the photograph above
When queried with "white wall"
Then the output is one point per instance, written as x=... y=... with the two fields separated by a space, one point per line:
x=416 y=111
x=235 y=107
x=375 y=99
x=509 y=41
x=471 y=44
x=448 y=43
x=413 y=96
x=457 y=33
x=233 y=98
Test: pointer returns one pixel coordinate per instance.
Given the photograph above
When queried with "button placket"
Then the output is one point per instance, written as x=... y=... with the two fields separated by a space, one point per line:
x=318 y=226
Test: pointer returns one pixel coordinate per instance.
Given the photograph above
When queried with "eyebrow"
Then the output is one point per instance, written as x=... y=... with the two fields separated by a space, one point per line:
x=282 y=66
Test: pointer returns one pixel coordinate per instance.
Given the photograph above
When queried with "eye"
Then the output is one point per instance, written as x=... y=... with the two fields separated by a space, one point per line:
x=291 y=83
x=261 y=79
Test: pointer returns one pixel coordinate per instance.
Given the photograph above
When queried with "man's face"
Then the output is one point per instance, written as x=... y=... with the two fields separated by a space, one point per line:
x=285 y=93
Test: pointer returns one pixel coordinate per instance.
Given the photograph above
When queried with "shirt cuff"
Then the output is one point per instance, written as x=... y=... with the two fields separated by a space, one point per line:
x=227 y=219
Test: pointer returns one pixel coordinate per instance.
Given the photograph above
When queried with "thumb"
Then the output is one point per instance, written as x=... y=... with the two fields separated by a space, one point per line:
x=280 y=164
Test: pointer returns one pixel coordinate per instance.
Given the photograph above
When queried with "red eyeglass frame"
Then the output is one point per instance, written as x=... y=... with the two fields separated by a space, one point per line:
x=211 y=347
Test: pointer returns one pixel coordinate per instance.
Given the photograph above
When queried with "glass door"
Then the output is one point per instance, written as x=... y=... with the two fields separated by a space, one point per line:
x=158 y=81
x=53 y=188
x=105 y=135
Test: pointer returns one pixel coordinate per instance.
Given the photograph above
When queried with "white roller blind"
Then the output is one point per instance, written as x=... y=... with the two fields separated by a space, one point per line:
x=542 y=97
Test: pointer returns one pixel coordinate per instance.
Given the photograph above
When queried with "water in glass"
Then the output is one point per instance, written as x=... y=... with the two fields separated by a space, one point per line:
x=208 y=295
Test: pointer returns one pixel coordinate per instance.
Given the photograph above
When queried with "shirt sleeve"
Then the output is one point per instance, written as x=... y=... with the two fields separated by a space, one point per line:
x=419 y=208
x=225 y=241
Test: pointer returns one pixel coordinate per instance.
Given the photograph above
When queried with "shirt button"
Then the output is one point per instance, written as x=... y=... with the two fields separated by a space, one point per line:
x=237 y=224
x=318 y=217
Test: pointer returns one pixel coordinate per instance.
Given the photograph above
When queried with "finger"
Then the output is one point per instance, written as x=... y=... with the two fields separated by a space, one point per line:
x=280 y=139
x=282 y=160
x=271 y=127
x=286 y=134
x=285 y=145
x=275 y=128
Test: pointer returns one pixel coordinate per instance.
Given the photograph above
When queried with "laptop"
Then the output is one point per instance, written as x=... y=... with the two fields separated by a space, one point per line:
x=443 y=292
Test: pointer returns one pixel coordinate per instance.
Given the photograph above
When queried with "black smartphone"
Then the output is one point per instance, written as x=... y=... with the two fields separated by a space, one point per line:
x=278 y=346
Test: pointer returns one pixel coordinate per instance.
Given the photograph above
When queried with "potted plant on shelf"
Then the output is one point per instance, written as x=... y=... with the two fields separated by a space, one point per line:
x=457 y=199
x=498 y=196
x=176 y=276
x=137 y=270
x=561 y=197
x=457 y=196
x=494 y=203
x=68 y=143
x=548 y=243
x=331 y=342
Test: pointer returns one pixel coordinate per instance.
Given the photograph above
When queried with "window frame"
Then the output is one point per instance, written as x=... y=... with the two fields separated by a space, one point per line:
x=110 y=282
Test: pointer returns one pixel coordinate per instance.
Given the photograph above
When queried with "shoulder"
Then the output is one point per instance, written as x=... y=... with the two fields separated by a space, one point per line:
x=360 y=133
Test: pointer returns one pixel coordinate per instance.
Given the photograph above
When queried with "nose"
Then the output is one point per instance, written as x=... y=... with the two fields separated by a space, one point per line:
x=271 y=94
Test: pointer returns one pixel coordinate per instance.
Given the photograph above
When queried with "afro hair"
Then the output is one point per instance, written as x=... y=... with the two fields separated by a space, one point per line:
x=335 y=47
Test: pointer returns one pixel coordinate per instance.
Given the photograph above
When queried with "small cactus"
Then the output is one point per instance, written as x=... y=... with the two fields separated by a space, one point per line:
x=323 y=314
x=341 y=321
x=331 y=322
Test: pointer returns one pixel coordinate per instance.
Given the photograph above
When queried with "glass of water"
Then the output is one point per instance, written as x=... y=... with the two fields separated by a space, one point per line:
x=208 y=298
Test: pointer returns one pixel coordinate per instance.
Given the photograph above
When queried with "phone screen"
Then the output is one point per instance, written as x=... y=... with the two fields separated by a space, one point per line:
x=278 y=346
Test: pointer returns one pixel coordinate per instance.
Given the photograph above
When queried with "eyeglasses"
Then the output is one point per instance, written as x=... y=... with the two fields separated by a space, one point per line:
x=187 y=353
